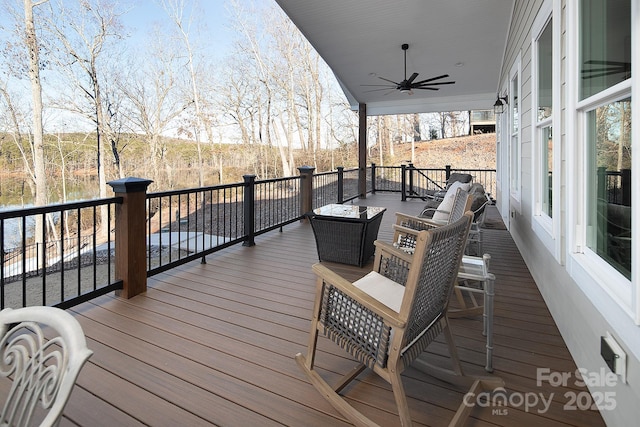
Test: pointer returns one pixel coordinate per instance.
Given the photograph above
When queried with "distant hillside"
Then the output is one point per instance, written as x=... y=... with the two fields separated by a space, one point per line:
x=474 y=151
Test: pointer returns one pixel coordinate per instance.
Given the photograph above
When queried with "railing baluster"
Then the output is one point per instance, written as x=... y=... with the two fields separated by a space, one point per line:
x=94 y=252
x=108 y=245
x=24 y=261
x=44 y=259
x=78 y=246
x=2 y=265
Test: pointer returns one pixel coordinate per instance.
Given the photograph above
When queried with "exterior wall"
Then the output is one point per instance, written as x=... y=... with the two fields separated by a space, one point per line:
x=583 y=311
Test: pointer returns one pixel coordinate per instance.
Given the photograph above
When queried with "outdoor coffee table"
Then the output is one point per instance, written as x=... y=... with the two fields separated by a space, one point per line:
x=345 y=233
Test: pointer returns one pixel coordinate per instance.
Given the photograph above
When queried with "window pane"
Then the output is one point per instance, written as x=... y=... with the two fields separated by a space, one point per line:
x=515 y=122
x=547 y=170
x=605 y=41
x=609 y=213
x=545 y=75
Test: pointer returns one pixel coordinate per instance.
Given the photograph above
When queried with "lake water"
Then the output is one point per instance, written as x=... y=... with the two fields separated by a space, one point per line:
x=16 y=194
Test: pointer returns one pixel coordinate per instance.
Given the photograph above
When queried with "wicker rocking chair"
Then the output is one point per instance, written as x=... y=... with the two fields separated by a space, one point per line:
x=474 y=279
x=386 y=319
x=404 y=222
x=42 y=350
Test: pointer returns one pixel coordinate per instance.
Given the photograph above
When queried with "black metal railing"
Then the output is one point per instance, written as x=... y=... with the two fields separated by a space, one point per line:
x=328 y=188
x=183 y=225
x=415 y=182
x=616 y=186
x=57 y=255
x=80 y=262
x=337 y=186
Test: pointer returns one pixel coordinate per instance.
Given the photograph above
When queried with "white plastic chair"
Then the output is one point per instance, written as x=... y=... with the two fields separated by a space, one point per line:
x=42 y=350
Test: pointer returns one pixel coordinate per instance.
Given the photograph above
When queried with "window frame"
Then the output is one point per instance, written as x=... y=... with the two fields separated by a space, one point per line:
x=546 y=227
x=515 y=136
x=600 y=281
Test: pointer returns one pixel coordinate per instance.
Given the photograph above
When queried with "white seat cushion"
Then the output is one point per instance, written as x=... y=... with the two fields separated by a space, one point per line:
x=444 y=208
x=384 y=290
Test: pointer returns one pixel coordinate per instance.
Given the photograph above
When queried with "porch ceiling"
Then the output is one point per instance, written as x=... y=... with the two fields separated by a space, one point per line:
x=360 y=37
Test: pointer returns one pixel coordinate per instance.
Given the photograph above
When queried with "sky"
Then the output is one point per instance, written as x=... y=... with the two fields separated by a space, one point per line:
x=212 y=35
x=212 y=13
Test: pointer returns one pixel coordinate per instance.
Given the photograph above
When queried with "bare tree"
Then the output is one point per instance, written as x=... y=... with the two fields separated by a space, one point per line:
x=24 y=144
x=24 y=56
x=84 y=34
x=152 y=99
x=31 y=43
x=176 y=10
x=253 y=49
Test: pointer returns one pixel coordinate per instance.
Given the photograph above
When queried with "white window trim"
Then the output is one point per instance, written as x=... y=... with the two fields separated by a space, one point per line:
x=594 y=276
x=635 y=161
x=618 y=287
x=504 y=174
x=515 y=194
x=547 y=228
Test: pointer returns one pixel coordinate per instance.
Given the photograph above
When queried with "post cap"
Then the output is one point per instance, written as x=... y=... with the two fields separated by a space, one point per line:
x=129 y=185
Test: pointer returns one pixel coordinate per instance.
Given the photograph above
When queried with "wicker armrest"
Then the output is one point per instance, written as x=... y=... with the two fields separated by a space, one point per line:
x=393 y=262
x=349 y=290
x=416 y=222
x=424 y=217
x=388 y=251
x=403 y=216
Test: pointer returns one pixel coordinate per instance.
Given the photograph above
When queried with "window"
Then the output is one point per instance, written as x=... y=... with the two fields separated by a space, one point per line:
x=546 y=172
x=605 y=44
x=604 y=91
x=609 y=185
x=543 y=119
x=514 y=143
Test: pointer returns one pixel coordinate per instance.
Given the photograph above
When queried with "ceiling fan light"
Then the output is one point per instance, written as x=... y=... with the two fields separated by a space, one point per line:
x=407 y=91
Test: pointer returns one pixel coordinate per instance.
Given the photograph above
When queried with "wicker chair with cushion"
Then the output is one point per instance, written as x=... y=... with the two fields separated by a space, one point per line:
x=463 y=178
x=479 y=202
x=42 y=351
x=438 y=209
x=454 y=211
x=473 y=277
x=435 y=197
x=386 y=319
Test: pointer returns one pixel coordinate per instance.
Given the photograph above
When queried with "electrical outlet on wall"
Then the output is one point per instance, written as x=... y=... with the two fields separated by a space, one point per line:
x=614 y=356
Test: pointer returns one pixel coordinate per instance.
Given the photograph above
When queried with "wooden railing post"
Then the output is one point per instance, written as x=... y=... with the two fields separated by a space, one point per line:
x=130 y=235
x=306 y=190
x=249 y=210
x=447 y=172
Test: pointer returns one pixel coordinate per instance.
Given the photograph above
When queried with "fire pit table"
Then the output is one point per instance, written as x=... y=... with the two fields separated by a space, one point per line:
x=345 y=233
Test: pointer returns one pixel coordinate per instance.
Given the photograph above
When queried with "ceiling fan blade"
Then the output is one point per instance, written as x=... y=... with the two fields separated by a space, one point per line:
x=432 y=84
x=378 y=90
x=406 y=85
x=387 y=80
x=431 y=79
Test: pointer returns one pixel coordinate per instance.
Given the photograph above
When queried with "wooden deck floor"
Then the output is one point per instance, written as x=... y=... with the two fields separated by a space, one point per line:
x=213 y=344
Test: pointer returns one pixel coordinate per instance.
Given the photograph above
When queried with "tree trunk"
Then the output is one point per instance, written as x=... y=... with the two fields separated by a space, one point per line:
x=38 y=132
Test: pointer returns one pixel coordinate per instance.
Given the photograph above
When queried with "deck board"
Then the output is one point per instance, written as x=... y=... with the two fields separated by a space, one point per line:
x=213 y=344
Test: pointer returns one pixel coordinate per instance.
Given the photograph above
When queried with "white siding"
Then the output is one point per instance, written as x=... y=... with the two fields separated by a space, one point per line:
x=581 y=317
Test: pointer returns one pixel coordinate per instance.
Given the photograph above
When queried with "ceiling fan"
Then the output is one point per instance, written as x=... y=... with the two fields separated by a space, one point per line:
x=407 y=85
